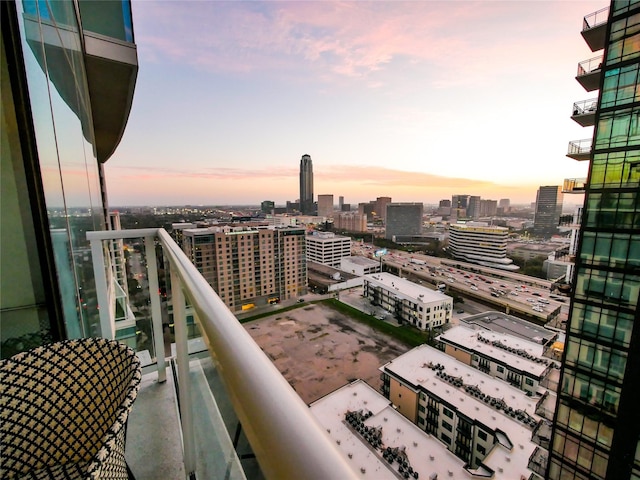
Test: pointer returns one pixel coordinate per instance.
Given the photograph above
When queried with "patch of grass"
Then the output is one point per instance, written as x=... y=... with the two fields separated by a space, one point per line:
x=406 y=334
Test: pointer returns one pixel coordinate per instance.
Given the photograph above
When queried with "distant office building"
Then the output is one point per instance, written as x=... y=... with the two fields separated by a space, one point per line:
x=325 y=205
x=327 y=248
x=293 y=207
x=596 y=432
x=267 y=206
x=346 y=207
x=444 y=208
x=459 y=205
x=481 y=244
x=473 y=210
x=306 y=186
x=404 y=219
x=548 y=211
x=407 y=301
x=350 y=222
x=367 y=208
x=381 y=207
x=340 y=202
x=505 y=204
x=488 y=208
x=249 y=266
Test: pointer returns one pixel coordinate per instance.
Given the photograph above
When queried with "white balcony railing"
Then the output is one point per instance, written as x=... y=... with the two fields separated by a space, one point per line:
x=285 y=437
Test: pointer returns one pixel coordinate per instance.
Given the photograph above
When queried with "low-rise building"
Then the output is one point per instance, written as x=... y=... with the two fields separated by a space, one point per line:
x=476 y=242
x=484 y=421
x=411 y=303
x=358 y=265
x=512 y=359
x=327 y=248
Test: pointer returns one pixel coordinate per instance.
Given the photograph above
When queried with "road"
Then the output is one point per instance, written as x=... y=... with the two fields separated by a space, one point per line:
x=522 y=295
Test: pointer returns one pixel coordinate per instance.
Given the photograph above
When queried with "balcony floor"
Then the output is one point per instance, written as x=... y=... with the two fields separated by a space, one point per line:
x=154 y=438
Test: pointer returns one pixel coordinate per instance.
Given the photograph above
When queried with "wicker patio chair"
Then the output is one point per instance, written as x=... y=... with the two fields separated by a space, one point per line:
x=64 y=408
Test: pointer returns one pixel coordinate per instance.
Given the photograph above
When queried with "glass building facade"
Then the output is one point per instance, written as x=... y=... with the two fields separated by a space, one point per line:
x=597 y=422
x=53 y=141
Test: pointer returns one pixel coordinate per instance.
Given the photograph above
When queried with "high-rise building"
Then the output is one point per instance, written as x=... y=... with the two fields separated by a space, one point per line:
x=325 y=205
x=488 y=208
x=267 y=206
x=548 y=210
x=404 y=219
x=350 y=221
x=366 y=208
x=473 y=209
x=340 y=202
x=306 y=186
x=505 y=204
x=381 y=207
x=248 y=265
x=459 y=205
x=596 y=431
x=58 y=113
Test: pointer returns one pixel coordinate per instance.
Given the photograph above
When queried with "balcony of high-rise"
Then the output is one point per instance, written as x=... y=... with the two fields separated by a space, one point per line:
x=589 y=73
x=580 y=150
x=584 y=112
x=211 y=403
x=574 y=185
x=594 y=29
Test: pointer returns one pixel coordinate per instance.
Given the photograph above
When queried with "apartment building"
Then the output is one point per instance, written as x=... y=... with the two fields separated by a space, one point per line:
x=484 y=421
x=479 y=243
x=596 y=432
x=417 y=305
x=327 y=248
x=514 y=360
x=249 y=266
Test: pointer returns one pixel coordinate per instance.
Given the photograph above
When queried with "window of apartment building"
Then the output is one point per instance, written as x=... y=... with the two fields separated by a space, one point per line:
x=447 y=412
x=481 y=450
x=500 y=369
x=528 y=381
x=447 y=426
x=445 y=438
x=482 y=435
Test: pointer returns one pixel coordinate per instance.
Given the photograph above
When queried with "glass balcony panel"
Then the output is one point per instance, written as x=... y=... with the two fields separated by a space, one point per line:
x=108 y=18
x=584 y=112
x=580 y=149
x=589 y=72
x=594 y=27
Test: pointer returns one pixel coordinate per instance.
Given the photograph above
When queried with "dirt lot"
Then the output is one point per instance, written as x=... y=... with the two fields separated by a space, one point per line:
x=318 y=349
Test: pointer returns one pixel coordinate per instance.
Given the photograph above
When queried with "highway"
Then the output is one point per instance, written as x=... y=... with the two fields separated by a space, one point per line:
x=524 y=296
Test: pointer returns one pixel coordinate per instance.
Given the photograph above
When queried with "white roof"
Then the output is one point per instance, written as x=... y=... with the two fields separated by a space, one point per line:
x=472 y=339
x=415 y=367
x=405 y=288
x=426 y=454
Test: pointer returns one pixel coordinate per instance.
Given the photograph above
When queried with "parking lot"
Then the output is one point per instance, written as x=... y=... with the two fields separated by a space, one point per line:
x=319 y=350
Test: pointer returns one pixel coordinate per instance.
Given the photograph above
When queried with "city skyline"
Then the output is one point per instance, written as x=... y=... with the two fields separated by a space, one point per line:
x=409 y=100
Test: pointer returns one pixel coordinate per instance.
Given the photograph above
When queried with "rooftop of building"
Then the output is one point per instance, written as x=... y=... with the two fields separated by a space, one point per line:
x=327 y=237
x=361 y=261
x=479 y=227
x=397 y=431
x=325 y=275
x=407 y=288
x=518 y=353
x=504 y=409
x=500 y=322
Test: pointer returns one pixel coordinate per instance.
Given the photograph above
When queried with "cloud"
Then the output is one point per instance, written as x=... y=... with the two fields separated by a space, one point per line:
x=449 y=42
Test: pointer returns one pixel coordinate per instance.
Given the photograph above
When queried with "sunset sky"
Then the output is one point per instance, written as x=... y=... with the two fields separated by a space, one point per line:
x=412 y=100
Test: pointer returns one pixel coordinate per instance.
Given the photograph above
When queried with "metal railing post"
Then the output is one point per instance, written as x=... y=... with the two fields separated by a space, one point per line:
x=156 y=311
x=107 y=330
x=184 y=380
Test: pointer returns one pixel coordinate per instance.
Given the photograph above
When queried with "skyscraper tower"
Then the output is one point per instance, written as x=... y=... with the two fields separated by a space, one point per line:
x=596 y=431
x=548 y=210
x=306 y=185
